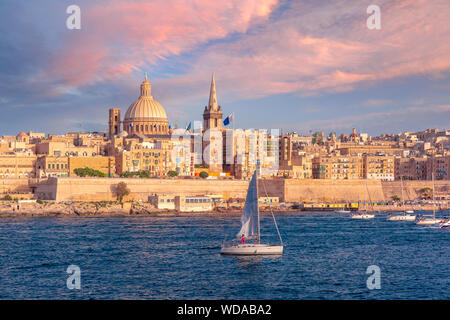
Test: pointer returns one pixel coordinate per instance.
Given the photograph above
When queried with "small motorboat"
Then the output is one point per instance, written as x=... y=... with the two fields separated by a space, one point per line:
x=360 y=215
x=402 y=217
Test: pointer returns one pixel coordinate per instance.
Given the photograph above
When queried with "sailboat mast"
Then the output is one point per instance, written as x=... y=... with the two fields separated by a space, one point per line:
x=368 y=194
x=257 y=204
x=403 y=196
x=434 y=203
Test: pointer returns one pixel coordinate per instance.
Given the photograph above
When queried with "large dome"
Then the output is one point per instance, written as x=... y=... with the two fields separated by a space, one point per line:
x=146 y=115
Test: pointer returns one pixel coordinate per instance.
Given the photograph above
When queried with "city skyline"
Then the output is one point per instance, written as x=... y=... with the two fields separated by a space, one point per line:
x=294 y=65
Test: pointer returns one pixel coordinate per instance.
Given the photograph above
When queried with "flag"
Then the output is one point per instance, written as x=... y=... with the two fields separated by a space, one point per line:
x=155 y=125
x=131 y=124
x=228 y=119
x=188 y=127
x=176 y=124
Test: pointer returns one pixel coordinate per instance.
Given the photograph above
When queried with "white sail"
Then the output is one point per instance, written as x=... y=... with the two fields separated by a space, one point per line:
x=249 y=218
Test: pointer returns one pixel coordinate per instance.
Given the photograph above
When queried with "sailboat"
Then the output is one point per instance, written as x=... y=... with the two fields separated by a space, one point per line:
x=363 y=214
x=445 y=224
x=428 y=221
x=251 y=229
x=404 y=216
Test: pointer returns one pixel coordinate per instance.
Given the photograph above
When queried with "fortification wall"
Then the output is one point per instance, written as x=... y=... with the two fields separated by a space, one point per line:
x=14 y=186
x=318 y=190
x=411 y=189
x=289 y=190
x=98 y=189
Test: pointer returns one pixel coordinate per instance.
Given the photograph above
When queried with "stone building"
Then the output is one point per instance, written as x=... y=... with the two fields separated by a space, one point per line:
x=378 y=167
x=17 y=166
x=337 y=167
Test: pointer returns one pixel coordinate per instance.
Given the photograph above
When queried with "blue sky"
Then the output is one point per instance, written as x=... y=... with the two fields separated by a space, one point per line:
x=296 y=65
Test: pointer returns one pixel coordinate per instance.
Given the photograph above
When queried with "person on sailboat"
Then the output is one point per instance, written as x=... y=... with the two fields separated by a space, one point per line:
x=243 y=239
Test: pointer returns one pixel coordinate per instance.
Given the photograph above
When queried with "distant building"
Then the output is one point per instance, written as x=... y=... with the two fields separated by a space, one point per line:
x=378 y=167
x=165 y=202
x=337 y=167
x=193 y=203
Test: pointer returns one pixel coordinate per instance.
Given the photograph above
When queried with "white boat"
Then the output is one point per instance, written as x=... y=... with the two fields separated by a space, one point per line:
x=445 y=224
x=362 y=216
x=343 y=211
x=402 y=217
x=425 y=221
x=430 y=220
x=251 y=229
x=406 y=216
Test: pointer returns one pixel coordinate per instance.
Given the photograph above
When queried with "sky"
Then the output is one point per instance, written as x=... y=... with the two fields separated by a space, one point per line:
x=302 y=66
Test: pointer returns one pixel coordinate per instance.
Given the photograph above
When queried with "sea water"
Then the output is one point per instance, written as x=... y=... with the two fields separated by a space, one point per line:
x=326 y=256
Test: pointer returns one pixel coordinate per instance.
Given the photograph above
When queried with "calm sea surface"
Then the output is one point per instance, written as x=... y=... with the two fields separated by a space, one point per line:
x=177 y=257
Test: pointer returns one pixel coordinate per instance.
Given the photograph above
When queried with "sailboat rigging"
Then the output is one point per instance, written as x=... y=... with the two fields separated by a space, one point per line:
x=404 y=216
x=251 y=228
x=427 y=221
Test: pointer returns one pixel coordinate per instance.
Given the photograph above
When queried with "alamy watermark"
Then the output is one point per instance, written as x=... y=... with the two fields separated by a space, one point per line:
x=74 y=280
x=374 y=280
x=374 y=20
x=74 y=20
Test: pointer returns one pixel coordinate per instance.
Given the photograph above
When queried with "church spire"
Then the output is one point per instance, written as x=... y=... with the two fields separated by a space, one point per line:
x=212 y=95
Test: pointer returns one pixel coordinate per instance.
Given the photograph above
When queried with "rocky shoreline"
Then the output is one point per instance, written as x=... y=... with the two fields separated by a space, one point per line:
x=111 y=208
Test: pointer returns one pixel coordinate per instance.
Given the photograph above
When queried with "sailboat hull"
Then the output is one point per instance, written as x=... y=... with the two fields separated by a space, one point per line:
x=252 y=249
x=405 y=217
x=428 y=221
x=364 y=216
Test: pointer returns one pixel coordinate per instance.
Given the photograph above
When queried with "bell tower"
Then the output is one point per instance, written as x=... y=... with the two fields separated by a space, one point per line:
x=114 y=122
x=212 y=115
x=212 y=132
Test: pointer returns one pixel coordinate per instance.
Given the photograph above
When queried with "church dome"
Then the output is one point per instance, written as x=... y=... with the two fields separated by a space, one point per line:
x=145 y=107
x=146 y=115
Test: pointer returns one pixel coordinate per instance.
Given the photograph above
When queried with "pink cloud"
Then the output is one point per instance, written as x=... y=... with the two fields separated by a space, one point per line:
x=308 y=48
x=118 y=36
x=328 y=47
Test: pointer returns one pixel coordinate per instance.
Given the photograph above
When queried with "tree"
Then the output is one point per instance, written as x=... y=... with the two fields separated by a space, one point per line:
x=122 y=191
x=88 y=172
x=140 y=174
x=426 y=192
x=172 y=173
x=395 y=198
x=203 y=174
